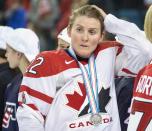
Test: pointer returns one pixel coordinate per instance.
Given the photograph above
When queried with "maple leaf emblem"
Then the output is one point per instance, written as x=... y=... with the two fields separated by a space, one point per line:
x=76 y=100
x=104 y=99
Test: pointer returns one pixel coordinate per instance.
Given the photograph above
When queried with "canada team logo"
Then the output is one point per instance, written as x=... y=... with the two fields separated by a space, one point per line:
x=77 y=100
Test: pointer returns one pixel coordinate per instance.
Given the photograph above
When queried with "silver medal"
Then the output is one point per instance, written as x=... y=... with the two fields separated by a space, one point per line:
x=96 y=119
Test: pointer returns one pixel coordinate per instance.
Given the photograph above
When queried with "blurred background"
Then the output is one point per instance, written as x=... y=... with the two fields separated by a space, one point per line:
x=48 y=17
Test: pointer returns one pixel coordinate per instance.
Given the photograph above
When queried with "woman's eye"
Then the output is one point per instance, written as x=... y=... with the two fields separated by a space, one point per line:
x=79 y=30
x=92 y=32
x=63 y=47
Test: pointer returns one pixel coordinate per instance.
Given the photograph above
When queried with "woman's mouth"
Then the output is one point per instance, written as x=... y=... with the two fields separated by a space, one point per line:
x=84 y=46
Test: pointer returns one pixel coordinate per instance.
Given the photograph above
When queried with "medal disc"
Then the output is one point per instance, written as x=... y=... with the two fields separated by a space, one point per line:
x=96 y=119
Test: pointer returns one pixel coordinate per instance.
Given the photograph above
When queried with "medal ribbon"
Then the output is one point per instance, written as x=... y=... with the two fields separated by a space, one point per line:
x=90 y=81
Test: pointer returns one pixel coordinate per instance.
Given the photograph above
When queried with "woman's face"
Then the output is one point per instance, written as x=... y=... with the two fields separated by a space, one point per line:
x=85 y=35
x=62 y=44
x=12 y=57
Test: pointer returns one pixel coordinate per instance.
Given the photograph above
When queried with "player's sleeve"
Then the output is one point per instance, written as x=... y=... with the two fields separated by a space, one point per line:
x=126 y=32
x=36 y=94
x=136 y=52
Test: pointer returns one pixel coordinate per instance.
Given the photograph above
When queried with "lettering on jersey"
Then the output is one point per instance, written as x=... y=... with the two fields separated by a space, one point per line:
x=83 y=124
x=80 y=124
x=9 y=114
x=145 y=85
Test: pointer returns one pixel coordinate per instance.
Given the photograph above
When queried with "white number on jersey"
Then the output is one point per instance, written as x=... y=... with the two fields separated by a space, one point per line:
x=37 y=64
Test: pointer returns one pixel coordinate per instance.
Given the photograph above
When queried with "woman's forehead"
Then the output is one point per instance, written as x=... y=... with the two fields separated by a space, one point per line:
x=86 y=21
x=9 y=48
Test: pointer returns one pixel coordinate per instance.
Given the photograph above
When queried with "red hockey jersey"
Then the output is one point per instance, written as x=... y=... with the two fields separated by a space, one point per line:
x=141 y=110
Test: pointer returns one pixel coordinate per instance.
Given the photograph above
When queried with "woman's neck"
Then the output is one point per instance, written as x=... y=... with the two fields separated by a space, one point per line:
x=79 y=58
x=24 y=63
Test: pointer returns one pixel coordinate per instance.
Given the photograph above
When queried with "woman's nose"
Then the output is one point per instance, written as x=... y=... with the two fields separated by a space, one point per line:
x=85 y=36
x=6 y=54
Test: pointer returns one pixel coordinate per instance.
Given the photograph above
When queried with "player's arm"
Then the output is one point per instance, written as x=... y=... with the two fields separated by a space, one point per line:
x=128 y=34
x=36 y=95
x=136 y=49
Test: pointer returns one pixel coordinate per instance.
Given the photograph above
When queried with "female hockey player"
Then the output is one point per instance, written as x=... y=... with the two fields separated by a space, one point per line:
x=141 y=107
x=73 y=89
x=22 y=47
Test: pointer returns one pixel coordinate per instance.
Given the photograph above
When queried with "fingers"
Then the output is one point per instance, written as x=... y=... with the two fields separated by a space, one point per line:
x=100 y=10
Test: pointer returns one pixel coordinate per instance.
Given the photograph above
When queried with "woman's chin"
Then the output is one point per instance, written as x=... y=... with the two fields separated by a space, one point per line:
x=84 y=55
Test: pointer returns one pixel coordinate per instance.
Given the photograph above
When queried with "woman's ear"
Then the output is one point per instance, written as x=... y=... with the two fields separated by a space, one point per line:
x=69 y=31
x=19 y=54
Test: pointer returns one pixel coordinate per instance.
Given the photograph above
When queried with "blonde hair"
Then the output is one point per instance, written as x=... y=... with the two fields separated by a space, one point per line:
x=148 y=24
x=88 y=11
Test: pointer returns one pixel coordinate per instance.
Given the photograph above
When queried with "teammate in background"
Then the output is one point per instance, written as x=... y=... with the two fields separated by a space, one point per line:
x=74 y=89
x=63 y=39
x=6 y=74
x=141 y=107
x=22 y=47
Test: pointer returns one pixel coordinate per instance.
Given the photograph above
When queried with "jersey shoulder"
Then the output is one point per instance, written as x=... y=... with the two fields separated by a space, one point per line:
x=46 y=63
x=108 y=44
